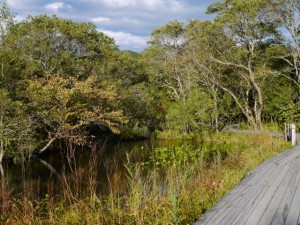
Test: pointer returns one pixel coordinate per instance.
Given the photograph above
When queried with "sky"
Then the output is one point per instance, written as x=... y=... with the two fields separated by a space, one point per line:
x=129 y=22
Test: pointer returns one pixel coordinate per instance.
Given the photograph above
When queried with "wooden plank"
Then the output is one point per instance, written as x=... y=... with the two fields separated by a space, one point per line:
x=261 y=206
x=216 y=218
x=277 y=180
x=268 y=177
x=245 y=206
x=230 y=199
x=284 y=207
x=223 y=205
x=251 y=206
x=270 y=211
x=294 y=211
x=296 y=179
x=291 y=180
x=236 y=209
x=291 y=174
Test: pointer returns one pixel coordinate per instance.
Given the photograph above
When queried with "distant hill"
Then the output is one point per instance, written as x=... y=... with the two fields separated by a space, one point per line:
x=131 y=53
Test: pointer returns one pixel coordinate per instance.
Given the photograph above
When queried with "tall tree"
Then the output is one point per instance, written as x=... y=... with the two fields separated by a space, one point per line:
x=165 y=58
x=247 y=67
x=62 y=79
x=198 y=51
x=57 y=47
x=6 y=21
x=285 y=14
x=65 y=108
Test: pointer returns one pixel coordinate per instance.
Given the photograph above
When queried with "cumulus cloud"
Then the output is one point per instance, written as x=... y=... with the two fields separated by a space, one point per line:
x=152 y=4
x=56 y=6
x=119 y=3
x=100 y=19
x=124 y=39
x=19 y=4
x=130 y=22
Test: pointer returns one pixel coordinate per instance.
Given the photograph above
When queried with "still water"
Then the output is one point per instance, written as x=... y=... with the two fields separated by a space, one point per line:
x=78 y=169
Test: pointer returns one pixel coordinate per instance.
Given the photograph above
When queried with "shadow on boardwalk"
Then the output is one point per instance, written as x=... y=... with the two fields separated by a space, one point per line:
x=270 y=194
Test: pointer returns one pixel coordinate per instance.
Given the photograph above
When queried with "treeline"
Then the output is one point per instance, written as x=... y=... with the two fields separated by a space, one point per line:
x=62 y=80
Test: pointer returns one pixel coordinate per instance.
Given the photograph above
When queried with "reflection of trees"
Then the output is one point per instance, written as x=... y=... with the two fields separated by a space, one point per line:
x=114 y=173
x=1 y=172
x=49 y=166
x=4 y=192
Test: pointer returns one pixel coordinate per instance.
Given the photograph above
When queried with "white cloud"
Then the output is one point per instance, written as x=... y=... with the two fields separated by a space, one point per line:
x=133 y=19
x=126 y=40
x=54 y=7
x=18 y=4
x=119 y=3
x=178 y=6
x=14 y=3
x=152 y=4
x=100 y=19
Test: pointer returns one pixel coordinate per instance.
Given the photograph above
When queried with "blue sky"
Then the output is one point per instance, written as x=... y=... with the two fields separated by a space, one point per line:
x=129 y=22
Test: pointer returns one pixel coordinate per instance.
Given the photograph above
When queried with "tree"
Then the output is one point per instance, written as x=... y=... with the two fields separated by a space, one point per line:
x=15 y=126
x=285 y=14
x=164 y=56
x=193 y=114
x=65 y=108
x=62 y=78
x=198 y=50
x=246 y=66
x=57 y=47
x=6 y=21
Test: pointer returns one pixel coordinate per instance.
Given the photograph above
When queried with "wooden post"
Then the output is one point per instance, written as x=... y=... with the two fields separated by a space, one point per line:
x=285 y=132
x=293 y=133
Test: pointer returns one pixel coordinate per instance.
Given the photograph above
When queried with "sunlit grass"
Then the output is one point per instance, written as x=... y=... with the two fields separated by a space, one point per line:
x=170 y=193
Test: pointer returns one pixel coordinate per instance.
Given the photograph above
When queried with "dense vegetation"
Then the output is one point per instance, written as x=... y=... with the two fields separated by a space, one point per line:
x=161 y=190
x=62 y=80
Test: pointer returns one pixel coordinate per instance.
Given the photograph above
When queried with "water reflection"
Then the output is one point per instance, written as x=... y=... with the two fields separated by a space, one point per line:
x=78 y=171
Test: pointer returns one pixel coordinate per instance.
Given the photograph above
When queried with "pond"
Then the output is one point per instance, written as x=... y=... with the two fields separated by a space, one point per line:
x=79 y=170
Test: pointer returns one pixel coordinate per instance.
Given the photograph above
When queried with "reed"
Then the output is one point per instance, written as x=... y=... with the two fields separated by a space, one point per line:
x=170 y=193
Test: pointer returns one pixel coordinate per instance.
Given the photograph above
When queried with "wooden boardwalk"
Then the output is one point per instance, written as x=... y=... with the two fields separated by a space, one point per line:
x=270 y=194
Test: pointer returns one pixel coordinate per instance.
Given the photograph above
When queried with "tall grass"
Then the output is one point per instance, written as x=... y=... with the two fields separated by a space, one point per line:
x=177 y=192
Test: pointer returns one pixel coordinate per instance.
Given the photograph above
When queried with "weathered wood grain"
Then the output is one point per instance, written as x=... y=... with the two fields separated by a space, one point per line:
x=270 y=194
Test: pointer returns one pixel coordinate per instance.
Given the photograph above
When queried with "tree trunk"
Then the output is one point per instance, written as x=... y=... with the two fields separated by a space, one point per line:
x=1 y=139
x=216 y=109
x=2 y=172
x=47 y=145
x=1 y=118
x=254 y=120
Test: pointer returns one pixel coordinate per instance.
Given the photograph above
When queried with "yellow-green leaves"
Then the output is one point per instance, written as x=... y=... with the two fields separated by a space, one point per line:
x=66 y=107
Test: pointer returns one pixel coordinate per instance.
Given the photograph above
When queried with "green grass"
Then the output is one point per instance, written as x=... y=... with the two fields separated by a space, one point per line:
x=270 y=126
x=173 y=135
x=174 y=192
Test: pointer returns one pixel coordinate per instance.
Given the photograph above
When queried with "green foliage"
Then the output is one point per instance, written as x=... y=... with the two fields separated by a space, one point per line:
x=186 y=155
x=63 y=79
x=168 y=36
x=66 y=107
x=16 y=128
x=131 y=53
x=290 y=113
x=57 y=47
x=179 y=197
x=191 y=114
x=280 y=96
x=177 y=156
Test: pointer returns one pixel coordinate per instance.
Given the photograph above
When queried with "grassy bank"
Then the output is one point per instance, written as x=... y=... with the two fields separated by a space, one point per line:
x=175 y=186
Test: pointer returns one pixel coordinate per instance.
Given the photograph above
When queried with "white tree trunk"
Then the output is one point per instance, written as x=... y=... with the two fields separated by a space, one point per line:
x=47 y=145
